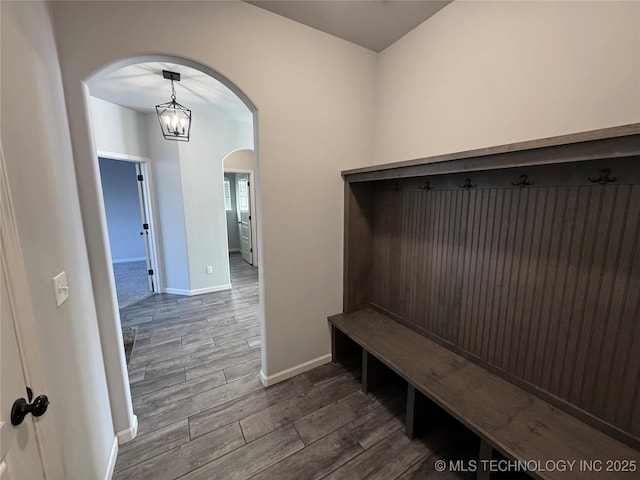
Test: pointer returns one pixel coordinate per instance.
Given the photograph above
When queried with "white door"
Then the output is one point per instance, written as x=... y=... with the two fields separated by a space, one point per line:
x=244 y=216
x=145 y=222
x=19 y=454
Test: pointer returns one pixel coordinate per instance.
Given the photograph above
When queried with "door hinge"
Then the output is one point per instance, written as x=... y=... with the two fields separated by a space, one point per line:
x=248 y=184
x=150 y=272
x=251 y=250
x=145 y=226
x=249 y=217
x=140 y=178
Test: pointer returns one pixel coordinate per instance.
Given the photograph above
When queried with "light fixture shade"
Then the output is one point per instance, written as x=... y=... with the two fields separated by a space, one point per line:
x=175 y=121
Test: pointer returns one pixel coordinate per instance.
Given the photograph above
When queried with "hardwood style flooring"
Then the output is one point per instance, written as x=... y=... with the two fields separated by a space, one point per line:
x=203 y=413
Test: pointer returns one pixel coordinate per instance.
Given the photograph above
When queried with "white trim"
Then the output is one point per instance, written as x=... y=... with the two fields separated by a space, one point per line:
x=113 y=456
x=130 y=433
x=121 y=156
x=217 y=288
x=127 y=260
x=198 y=291
x=293 y=371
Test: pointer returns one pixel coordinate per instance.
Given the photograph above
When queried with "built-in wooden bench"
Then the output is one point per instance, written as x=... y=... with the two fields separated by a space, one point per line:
x=516 y=423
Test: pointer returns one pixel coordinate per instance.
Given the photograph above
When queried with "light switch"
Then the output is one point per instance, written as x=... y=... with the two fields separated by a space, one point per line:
x=60 y=288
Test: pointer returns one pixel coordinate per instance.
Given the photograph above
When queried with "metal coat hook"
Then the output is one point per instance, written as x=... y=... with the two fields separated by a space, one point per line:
x=427 y=186
x=467 y=184
x=396 y=187
x=522 y=182
x=604 y=177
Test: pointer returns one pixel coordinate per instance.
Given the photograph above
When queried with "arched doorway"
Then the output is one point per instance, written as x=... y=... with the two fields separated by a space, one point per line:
x=96 y=232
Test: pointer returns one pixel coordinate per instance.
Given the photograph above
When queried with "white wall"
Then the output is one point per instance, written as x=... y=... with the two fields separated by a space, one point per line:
x=315 y=100
x=212 y=139
x=169 y=211
x=188 y=183
x=37 y=149
x=241 y=160
x=120 y=191
x=118 y=129
x=479 y=74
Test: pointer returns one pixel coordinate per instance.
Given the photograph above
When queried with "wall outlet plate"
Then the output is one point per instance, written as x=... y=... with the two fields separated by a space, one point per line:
x=209 y=269
x=60 y=288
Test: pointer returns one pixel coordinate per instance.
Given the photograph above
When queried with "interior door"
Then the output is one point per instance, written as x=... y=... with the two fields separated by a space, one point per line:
x=145 y=222
x=19 y=453
x=244 y=216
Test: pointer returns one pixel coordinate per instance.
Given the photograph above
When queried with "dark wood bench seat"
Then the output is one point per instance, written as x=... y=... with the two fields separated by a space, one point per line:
x=507 y=418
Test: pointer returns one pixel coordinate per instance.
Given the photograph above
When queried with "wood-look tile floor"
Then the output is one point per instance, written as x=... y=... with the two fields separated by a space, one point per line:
x=203 y=413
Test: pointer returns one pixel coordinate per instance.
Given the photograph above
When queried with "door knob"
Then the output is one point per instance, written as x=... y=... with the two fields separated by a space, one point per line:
x=22 y=407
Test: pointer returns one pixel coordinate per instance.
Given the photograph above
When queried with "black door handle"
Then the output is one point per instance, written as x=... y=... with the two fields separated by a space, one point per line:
x=22 y=407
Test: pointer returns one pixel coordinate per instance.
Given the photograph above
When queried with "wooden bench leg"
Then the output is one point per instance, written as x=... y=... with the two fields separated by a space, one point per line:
x=416 y=409
x=338 y=345
x=486 y=453
x=372 y=375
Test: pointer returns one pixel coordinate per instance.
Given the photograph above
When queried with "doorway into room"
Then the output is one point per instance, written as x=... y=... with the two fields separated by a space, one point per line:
x=240 y=211
x=129 y=226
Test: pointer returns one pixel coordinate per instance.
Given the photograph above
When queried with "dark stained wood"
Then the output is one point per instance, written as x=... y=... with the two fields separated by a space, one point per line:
x=614 y=142
x=358 y=253
x=508 y=418
x=484 y=455
x=533 y=283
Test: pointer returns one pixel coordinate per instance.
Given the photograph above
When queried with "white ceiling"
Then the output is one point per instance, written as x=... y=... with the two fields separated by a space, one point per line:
x=373 y=24
x=141 y=87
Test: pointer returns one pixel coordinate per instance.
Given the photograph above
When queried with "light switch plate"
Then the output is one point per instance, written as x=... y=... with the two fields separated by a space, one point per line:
x=60 y=288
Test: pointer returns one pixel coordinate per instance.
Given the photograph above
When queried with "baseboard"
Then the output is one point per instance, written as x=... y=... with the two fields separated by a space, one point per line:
x=130 y=433
x=217 y=288
x=293 y=371
x=198 y=291
x=127 y=260
x=113 y=456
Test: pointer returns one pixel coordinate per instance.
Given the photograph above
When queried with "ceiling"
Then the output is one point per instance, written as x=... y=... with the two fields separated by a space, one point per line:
x=373 y=24
x=141 y=87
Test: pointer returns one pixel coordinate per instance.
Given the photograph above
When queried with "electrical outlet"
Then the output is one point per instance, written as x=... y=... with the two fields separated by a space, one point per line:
x=60 y=288
x=209 y=269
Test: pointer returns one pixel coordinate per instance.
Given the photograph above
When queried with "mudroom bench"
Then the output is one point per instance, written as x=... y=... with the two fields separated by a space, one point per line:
x=518 y=424
x=501 y=285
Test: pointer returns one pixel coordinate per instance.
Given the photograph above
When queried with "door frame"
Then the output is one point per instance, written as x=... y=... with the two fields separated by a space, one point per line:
x=26 y=330
x=253 y=212
x=144 y=163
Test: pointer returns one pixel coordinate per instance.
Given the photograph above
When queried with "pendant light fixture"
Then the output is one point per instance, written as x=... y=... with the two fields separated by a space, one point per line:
x=175 y=119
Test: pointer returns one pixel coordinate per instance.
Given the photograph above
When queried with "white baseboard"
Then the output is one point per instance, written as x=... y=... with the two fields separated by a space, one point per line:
x=217 y=288
x=127 y=260
x=113 y=456
x=198 y=291
x=293 y=371
x=130 y=433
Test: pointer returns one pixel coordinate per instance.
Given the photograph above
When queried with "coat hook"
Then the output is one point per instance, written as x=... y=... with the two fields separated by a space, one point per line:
x=427 y=186
x=523 y=182
x=396 y=187
x=604 y=177
x=467 y=184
